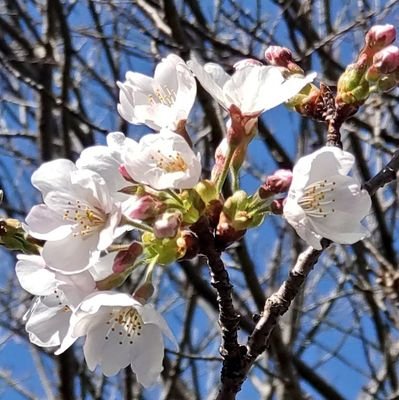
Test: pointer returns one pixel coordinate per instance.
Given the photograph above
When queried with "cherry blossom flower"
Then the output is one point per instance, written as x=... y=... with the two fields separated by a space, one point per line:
x=78 y=219
x=252 y=88
x=57 y=295
x=107 y=160
x=120 y=331
x=159 y=102
x=324 y=202
x=164 y=161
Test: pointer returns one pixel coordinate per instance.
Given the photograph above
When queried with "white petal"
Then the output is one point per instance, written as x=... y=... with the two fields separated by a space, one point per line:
x=91 y=186
x=47 y=326
x=44 y=223
x=72 y=254
x=106 y=298
x=110 y=354
x=148 y=355
x=208 y=82
x=53 y=175
x=107 y=233
x=152 y=316
x=327 y=161
x=297 y=218
x=186 y=92
x=100 y=160
x=33 y=275
x=103 y=268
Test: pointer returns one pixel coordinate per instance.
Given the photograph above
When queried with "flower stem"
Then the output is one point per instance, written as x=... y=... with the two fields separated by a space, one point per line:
x=235 y=179
x=174 y=196
x=150 y=269
x=138 y=225
x=222 y=177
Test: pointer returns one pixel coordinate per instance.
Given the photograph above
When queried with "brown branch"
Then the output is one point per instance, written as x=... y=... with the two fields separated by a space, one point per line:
x=386 y=175
x=231 y=352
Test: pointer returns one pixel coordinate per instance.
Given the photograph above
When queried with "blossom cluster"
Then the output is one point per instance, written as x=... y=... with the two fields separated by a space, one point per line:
x=151 y=190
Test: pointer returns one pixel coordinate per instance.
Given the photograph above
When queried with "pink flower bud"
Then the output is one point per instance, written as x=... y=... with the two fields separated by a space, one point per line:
x=126 y=258
x=144 y=207
x=279 y=182
x=380 y=36
x=282 y=57
x=246 y=62
x=167 y=225
x=387 y=59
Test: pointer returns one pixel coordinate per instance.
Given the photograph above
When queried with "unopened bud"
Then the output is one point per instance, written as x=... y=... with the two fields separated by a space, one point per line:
x=282 y=57
x=207 y=191
x=246 y=62
x=352 y=85
x=226 y=234
x=126 y=258
x=188 y=244
x=167 y=225
x=279 y=182
x=380 y=36
x=144 y=207
x=387 y=59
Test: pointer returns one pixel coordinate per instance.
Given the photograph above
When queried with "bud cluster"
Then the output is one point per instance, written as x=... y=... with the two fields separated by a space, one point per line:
x=376 y=68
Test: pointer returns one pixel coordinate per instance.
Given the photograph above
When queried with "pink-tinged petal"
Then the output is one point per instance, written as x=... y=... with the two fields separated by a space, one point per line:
x=72 y=254
x=44 y=223
x=34 y=277
x=53 y=175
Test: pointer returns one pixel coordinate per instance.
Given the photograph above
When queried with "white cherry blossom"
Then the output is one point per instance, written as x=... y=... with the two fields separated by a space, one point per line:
x=120 y=331
x=107 y=160
x=252 y=88
x=162 y=101
x=324 y=202
x=57 y=295
x=78 y=219
x=164 y=160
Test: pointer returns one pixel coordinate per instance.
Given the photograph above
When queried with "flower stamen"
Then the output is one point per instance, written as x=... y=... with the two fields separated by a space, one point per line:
x=88 y=218
x=127 y=321
x=317 y=199
x=171 y=163
x=163 y=95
